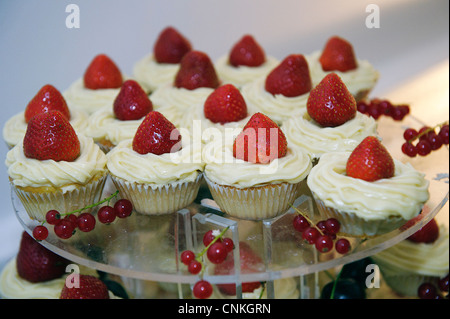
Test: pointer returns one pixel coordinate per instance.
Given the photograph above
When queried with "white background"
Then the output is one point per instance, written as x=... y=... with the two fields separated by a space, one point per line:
x=37 y=48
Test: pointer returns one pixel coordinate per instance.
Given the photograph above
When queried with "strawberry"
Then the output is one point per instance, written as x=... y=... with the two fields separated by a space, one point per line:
x=50 y=136
x=247 y=52
x=260 y=141
x=196 y=70
x=156 y=135
x=132 y=103
x=290 y=78
x=89 y=287
x=338 y=55
x=48 y=98
x=250 y=262
x=102 y=73
x=330 y=103
x=36 y=263
x=427 y=234
x=170 y=46
x=225 y=104
x=370 y=161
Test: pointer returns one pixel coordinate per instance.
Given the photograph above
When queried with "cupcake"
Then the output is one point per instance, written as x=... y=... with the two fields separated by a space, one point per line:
x=257 y=175
x=422 y=258
x=119 y=121
x=54 y=168
x=160 y=67
x=338 y=56
x=366 y=190
x=283 y=92
x=48 y=98
x=97 y=88
x=158 y=171
x=245 y=62
x=319 y=128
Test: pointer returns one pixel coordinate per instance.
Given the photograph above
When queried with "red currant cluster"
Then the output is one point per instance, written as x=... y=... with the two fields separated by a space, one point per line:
x=322 y=235
x=216 y=248
x=66 y=224
x=430 y=291
x=378 y=107
x=428 y=140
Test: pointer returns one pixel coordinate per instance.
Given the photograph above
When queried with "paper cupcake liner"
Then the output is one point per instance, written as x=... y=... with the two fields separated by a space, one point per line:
x=254 y=203
x=152 y=199
x=408 y=284
x=37 y=202
x=355 y=226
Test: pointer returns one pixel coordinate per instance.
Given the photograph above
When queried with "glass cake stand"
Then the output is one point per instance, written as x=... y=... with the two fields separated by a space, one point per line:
x=147 y=248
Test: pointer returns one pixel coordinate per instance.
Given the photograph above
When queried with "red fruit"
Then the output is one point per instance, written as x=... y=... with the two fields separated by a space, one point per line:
x=89 y=287
x=171 y=46
x=48 y=98
x=36 y=263
x=50 y=136
x=290 y=78
x=102 y=73
x=330 y=103
x=250 y=263
x=247 y=52
x=260 y=141
x=338 y=55
x=370 y=161
x=132 y=103
x=225 y=104
x=427 y=234
x=156 y=135
x=196 y=70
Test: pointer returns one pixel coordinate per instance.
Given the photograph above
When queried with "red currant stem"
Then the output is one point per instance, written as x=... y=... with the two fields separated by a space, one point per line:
x=335 y=284
x=262 y=290
x=308 y=219
x=427 y=131
x=107 y=199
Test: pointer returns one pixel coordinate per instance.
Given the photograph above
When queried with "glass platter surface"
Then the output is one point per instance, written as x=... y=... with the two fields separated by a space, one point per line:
x=148 y=247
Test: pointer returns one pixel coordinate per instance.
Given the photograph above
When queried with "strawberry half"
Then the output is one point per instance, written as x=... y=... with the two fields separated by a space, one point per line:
x=370 y=161
x=89 y=287
x=132 y=103
x=250 y=263
x=36 y=263
x=50 y=136
x=427 y=234
x=102 y=73
x=330 y=103
x=171 y=46
x=260 y=141
x=290 y=78
x=156 y=135
x=225 y=104
x=48 y=98
x=338 y=55
x=247 y=52
x=196 y=70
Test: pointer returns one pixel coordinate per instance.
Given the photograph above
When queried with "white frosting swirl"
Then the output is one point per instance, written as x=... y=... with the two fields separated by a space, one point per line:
x=16 y=127
x=301 y=131
x=363 y=78
x=30 y=172
x=416 y=258
x=152 y=74
x=401 y=195
x=184 y=165
x=103 y=124
x=278 y=107
x=242 y=74
x=224 y=169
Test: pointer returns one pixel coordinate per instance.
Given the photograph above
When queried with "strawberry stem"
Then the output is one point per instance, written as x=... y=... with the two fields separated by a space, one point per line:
x=428 y=130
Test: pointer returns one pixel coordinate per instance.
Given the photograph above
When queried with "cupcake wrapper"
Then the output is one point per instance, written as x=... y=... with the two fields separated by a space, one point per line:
x=407 y=285
x=352 y=225
x=158 y=199
x=38 y=203
x=254 y=203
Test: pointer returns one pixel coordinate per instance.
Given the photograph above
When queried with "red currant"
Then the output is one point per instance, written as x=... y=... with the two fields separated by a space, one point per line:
x=208 y=238
x=342 y=246
x=72 y=218
x=229 y=244
x=300 y=223
x=52 y=217
x=310 y=234
x=40 y=232
x=123 y=208
x=202 y=289
x=86 y=222
x=423 y=147
x=324 y=243
x=362 y=107
x=187 y=256
x=410 y=134
x=217 y=252
x=64 y=228
x=106 y=214
x=332 y=226
x=435 y=141
x=443 y=284
x=194 y=267
x=427 y=291
x=444 y=134
x=409 y=149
